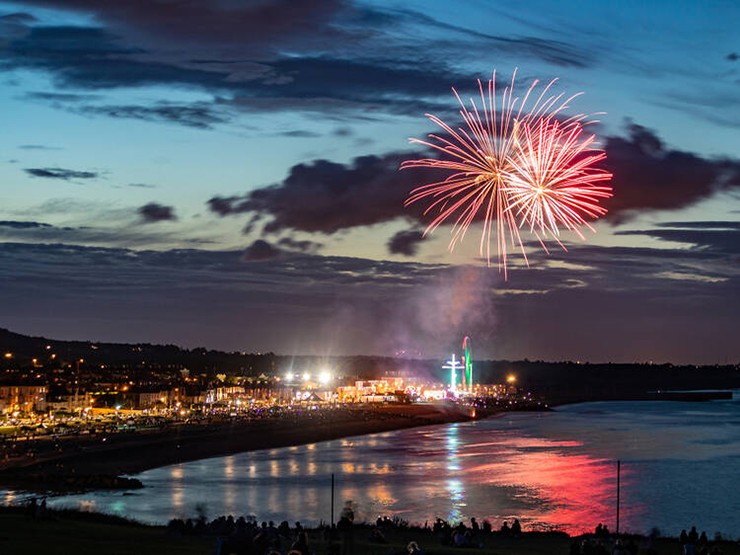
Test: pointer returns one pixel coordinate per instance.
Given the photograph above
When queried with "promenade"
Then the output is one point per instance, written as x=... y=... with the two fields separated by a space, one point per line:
x=95 y=460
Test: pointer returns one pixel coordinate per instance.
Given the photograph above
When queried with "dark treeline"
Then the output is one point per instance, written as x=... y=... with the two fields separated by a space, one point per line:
x=564 y=382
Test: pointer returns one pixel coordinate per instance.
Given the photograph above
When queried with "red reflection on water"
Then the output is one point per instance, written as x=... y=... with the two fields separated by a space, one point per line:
x=572 y=492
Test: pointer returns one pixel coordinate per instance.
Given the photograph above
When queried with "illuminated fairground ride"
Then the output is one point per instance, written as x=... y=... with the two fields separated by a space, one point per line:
x=466 y=370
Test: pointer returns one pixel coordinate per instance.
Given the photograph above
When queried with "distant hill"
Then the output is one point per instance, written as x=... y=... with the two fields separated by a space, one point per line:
x=172 y=357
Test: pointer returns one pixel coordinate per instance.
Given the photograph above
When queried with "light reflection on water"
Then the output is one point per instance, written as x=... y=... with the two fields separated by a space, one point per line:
x=681 y=466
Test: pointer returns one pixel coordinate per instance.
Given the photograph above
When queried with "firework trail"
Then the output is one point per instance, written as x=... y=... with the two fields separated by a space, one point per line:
x=515 y=163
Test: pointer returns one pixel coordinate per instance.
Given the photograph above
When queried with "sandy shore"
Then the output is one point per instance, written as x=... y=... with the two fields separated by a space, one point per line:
x=72 y=465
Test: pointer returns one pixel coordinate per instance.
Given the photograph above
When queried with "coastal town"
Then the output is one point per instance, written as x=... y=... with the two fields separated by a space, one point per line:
x=83 y=417
x=69 y=422
x=61 y=388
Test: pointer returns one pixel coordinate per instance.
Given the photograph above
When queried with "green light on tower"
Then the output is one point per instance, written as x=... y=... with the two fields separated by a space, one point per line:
x=467 y=364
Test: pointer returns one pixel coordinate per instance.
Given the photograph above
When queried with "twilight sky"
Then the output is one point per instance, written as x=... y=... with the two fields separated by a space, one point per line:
x=224 y=173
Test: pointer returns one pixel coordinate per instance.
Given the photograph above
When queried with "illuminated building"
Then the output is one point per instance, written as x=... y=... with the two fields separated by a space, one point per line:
x=24 y=398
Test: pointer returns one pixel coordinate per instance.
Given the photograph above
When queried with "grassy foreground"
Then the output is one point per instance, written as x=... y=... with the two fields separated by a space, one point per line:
x=68 y=532
x=76 y=533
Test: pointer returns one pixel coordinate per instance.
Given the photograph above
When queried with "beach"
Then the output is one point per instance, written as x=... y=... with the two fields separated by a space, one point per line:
x=99 y=460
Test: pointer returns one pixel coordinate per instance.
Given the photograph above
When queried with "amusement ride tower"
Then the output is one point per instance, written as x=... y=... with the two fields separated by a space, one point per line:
x=465 y=366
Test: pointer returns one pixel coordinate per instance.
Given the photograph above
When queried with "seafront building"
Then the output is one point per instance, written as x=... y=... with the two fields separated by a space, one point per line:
x=22 y=398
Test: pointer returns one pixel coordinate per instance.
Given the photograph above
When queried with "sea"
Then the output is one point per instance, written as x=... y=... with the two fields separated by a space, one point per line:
x=662 y=465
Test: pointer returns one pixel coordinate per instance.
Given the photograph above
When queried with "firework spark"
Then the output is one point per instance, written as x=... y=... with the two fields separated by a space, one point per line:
x=555 y=181
x=513 y=164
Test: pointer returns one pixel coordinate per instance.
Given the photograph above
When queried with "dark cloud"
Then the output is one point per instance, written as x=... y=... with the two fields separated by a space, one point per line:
x=249 y=25
x=321 y=304
x=733 y=56
x=92 y=58
x=300 y=134
x=650 y=176
x=717 y=224
x=154 y=212
x=556 y=52
x=297 y=245
x=261 y=250
x=18 y=17
x=721 y=238
x=14 y=25
x=405 y=242
x=371 y=80
x=142 y=185
x=38 y=147
x=61 y=173
x=58 y=98
x=24 y=225
x=238 y=54
x=327 y=197
x=224 y=206
x=229 y=33
x=120 y=231
x=198 y=115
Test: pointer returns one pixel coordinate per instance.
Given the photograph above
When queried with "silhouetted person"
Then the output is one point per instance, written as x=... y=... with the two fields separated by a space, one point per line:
x=346 y=533
x=376 y=536
x=650 y=548
x=505 y=530
x=33 y=508
x=619 y=548
x=300 y=545
x=516 y=528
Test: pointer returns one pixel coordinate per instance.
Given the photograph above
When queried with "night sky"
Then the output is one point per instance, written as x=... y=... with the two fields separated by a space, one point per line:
x=224 y=173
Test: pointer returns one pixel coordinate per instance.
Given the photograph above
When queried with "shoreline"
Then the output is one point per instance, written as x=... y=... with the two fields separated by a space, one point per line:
x=105 y=462
x=93 y=462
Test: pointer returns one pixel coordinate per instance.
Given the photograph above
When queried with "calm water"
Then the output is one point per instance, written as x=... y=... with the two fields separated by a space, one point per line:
x=680 y=467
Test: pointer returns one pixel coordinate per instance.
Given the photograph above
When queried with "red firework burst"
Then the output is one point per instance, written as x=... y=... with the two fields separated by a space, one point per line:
x=513 y=165
x=554 y=182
